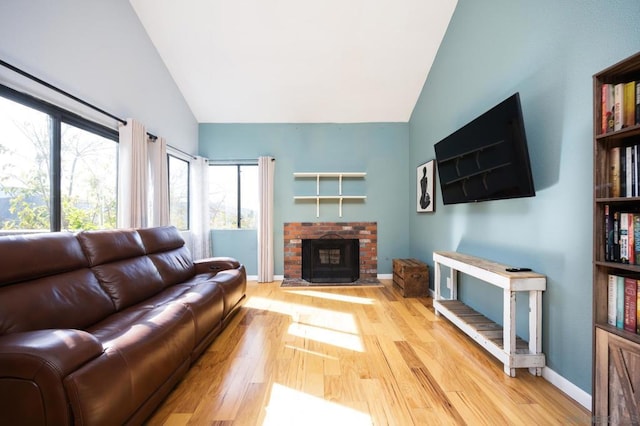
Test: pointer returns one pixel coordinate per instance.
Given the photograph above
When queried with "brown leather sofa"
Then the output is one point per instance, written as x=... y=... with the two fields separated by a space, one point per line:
x=97 y=327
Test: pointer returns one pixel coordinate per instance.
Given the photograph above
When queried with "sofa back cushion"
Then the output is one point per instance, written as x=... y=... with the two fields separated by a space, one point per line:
x=45 y=283
x=25 y=257
x=67 y=300
x=118 y=260
x=166 y=249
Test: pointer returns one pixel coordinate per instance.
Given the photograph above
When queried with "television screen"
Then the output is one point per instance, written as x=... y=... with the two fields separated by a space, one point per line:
x=487 y=159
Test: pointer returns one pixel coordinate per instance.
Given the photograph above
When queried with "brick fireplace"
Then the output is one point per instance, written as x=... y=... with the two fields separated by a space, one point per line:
x=365 y=232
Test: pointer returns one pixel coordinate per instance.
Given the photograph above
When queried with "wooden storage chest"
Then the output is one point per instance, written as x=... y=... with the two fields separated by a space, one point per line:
x=411 y=276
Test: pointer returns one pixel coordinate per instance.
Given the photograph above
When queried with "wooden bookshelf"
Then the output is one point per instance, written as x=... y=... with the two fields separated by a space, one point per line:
x=616 y=367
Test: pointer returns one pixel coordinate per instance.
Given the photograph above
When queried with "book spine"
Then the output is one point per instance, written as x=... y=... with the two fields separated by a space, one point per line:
x=616 y=237
x=638 y=307
x=620 y=303
x=636 y=170
x=630 y=305
x=629 y=171
x=618 y=106
x=631 y=238
x=614 y=167
x=637 y=102
x=623 y=172
x=605 y=107
x=636 y=237
x=608 y=238
x=629 y=104
x=624 y=237
x=612 y=300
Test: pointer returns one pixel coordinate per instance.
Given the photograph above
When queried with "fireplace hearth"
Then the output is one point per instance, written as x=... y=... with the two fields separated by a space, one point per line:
x=331 y=260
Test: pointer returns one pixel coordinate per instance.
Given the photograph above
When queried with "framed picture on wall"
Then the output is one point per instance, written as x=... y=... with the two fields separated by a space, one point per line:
x=424 y=184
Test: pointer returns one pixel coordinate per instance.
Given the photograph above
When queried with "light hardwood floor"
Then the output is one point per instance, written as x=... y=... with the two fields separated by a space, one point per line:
x=354 y=356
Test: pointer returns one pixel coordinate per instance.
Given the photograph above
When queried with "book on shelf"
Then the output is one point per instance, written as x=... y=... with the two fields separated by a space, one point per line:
x=623 y=302
x=630 y=303
x=629 y=104
x=638 y=102
x=612 y=299
x=621 y=234
x=624 y=237
x=607 y=108
x=638 y=308
x=629 y=167
x=620 y=106
x=624 y=171
x=636 y=238
x=620 y=302
x=614 y=167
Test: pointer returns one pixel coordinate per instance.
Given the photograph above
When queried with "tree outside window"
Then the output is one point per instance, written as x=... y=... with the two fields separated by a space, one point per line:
x=54 y=175
x=233 y=196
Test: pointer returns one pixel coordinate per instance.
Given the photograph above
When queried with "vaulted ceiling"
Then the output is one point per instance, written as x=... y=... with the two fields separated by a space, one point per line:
x=297 y=61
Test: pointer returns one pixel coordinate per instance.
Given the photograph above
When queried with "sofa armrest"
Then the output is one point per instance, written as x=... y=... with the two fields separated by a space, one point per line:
x=32 y=367
x=215 y=264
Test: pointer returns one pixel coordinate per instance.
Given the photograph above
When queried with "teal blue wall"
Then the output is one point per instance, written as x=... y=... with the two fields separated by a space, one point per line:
x=237 y=243
x=380 y=149
x=548 y=51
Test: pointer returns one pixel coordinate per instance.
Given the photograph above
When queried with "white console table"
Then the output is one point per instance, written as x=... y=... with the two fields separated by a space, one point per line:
x=500 y=341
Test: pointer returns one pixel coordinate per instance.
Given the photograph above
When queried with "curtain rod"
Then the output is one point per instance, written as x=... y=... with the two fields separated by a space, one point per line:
x=67 y=94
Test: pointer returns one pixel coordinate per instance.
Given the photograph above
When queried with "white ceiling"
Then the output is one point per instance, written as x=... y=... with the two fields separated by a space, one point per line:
x=297 y=61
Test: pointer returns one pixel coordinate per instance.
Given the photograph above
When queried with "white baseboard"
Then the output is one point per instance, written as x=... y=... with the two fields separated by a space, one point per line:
x=385 y=276
x=577 y=394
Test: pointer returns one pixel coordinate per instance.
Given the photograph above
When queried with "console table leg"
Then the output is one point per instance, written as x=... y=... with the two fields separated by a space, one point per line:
x=509 y=328
x=437 y=283
x=535 y=327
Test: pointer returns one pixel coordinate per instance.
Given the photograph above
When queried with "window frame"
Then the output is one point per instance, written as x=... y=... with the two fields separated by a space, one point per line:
x=58 y=116
x=237 y=165
x=176 y=157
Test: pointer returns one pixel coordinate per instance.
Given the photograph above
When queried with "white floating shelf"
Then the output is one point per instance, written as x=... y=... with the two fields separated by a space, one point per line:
x=339 y=197
x=329 y=174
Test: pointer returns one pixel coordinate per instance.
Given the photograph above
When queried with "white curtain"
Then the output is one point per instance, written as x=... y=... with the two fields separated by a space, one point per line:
x=132 y=175
x=266 y=172
x=158 y=183
x=199 y=190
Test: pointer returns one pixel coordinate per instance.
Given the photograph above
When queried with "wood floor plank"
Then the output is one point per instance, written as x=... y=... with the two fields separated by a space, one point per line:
x=365 y=356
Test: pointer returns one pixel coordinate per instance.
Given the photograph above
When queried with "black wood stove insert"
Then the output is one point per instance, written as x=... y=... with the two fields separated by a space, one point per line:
x=329 y=260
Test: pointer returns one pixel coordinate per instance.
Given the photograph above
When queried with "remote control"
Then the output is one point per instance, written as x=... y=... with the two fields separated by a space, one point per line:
x=518 y=269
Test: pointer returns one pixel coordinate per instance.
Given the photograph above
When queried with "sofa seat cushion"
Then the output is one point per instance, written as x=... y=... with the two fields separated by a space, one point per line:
x=234 y=286
x=203 y=298
x=143 y=348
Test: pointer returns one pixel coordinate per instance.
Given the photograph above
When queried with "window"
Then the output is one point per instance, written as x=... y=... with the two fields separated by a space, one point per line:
x=88 y=179
x=179 y=192
x=58 y=171
x=233 y=196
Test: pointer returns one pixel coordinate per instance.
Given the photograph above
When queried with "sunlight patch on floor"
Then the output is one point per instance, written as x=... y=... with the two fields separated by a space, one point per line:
x=324 y=335
x=333 y=296
x=314 y=353
x=291 y=407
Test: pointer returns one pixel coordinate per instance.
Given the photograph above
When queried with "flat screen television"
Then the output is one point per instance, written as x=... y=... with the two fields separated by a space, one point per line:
x=487 y=159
